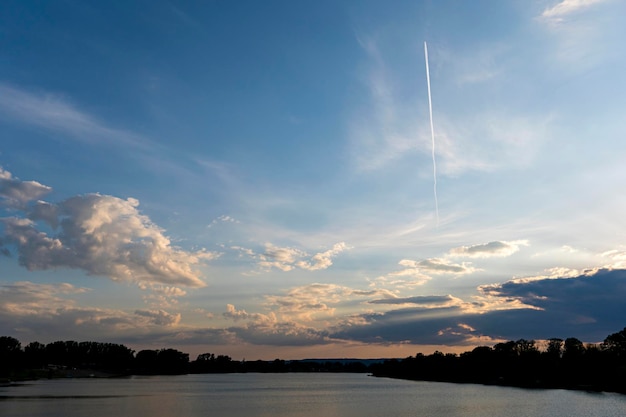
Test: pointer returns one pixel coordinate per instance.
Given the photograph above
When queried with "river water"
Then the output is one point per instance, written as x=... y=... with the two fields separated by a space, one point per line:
x=293 y=395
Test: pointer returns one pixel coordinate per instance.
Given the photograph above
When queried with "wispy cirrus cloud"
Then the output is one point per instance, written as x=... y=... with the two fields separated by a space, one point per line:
x=384 y=131
x=585 y=32
x=393 y=125
x=565 y=8
x=53 y=112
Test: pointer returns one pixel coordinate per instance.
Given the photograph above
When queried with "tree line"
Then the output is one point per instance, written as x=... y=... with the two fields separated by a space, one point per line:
x=568 y=364
x=82 y=359
x=560 y=363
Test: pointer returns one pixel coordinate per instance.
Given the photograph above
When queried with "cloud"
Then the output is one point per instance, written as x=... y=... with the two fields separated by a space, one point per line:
x=161 y=296
x=265 y=329
x=45 y=311
x=15 y=193
x=168 y=291
x=389 y=129
x=566 y=8
x=384 y=131
x=188 y=336
x=422 y=300
x=589 y=298
x=236 y=315
x=281 y=334
x=102 y=235
x=415 y=273
x=318 y=300
x=323 y=260
x=26 y=298
x=407 y=277
x=586 y=34
x=251 y=328
x=588 y=307
x=288 y=259
x=223 y=219
x=438 y=266
x=417 y=325
x=279 y=258
x=481 y=64
x=52 y=112
x=277 y=334
x=492 y=140
x=489 y=250
x=306 y=301
x=159 y=317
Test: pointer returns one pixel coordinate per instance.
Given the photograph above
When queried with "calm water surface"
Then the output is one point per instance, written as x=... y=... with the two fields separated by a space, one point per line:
x=294 y=395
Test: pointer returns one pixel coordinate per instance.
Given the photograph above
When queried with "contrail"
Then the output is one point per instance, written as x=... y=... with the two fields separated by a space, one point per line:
x=432 y=132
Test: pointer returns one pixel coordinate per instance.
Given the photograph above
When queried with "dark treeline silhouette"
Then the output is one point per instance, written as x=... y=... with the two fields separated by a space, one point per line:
x=560 y=364
x=37 y=359
x=565 y=363
x=94 y=359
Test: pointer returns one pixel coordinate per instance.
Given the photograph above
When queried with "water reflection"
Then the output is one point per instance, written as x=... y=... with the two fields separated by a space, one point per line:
x=294 y=395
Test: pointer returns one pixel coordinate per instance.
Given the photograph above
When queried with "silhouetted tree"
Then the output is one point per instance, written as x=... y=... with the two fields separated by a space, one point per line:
x=10 y=355
x=64 y=353
x=35 y=355
x=146 y=361
x=172 y=361
x=573 y=348
x=555 y=348
x=525 y=347
x=616 y=344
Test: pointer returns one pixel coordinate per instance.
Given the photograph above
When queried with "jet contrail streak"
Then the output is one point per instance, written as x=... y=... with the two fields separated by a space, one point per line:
x=432 y=132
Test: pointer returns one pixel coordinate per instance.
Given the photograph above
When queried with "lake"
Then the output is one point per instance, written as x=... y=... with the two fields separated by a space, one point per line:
x=293 y=394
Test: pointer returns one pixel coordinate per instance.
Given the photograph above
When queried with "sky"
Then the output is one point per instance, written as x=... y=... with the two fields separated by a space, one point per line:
x=256 y=179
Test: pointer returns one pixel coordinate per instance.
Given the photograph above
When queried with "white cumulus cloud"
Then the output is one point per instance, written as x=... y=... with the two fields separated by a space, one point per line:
x=288 y=258
x=100 y=234
x=489 y=250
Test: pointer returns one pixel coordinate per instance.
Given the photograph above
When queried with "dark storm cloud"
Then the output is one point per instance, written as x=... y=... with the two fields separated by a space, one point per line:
x=413 y=325
x=587 y=307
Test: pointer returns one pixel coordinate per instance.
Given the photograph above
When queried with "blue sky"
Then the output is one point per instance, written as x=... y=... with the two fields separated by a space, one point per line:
x=256 y=178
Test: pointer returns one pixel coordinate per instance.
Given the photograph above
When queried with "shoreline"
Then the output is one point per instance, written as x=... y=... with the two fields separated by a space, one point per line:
x=537 y=386
x=97 y=374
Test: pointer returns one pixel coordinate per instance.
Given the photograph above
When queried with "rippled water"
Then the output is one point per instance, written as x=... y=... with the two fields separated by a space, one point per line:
x=303 y=395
